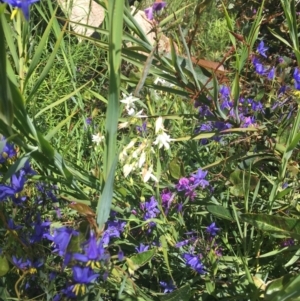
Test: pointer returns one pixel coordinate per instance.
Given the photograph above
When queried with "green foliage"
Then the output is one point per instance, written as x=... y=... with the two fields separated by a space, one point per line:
x=53 y=83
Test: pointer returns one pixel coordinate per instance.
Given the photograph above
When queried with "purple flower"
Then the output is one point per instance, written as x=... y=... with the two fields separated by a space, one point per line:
x=288 y=242
x=182 y=243
x=167 y=197
x=157 y=6
x=23 y=264
x=141 y=248
x=61 y=238
x=199 y=178
x=296 y=76
x=149 y=13
x=120 y=255
x=247 y=121
x=20 y=263
x=212 y=229
x=226 y=104
x=183 y=184
x=168 y=287
x=261 y=49
x=257 y=106
x=94 y=252
x=285 y=185
x=114 y=229
x=11 y=225
x=194 y=262
x=39 y=230
x=88 y=121
x=28 y=170
x=259 y=68
x=83 y=275
x=22 y=4
x=142 y=129
x=179 y=207
x=151 y=208
x=17 y=185
x=271 y=74
x=205 y=111
x=5 y=192
x=8 y=151
x=191 y=193
x=225 y=92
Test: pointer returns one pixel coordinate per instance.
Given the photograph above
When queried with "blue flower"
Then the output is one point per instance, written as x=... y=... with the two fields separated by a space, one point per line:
x=225 y=92
x=182 y=243
x=194 y=262
x=94 y=252
x=259 y=68
x=212 y=229
x=17 y=185
x=199 y=178
x=257 y=106
x=261 y=49
x=150 y=208
x=296 y=76
x=27 y=264
x=168 y=287
x=61 y=238
x=8 y=151
x=39 y=230
x=271 y=74
x=141 y=248
x=114 y=229
x=24 y=5
x=83 y=275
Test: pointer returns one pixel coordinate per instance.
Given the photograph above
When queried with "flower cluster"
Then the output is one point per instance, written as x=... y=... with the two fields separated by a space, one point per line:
x=154 y=9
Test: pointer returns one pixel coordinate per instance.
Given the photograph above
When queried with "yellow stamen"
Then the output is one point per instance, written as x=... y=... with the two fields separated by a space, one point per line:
x=13 y=14
x=32 y=271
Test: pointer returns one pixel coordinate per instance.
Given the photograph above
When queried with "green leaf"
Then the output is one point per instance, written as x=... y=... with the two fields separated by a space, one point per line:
x=176 y=168
x=46 y=69
x=164 y=246
x=140 y=259
x=19 y=164
x=53 y=131
x=240 y=179
x=39 y=50
x=294 y=143
x=181 y=294
x=104 y=203
x=220 y=211
x=286 y=288
x=4 y=266
x=6 y=102
x=285 y=226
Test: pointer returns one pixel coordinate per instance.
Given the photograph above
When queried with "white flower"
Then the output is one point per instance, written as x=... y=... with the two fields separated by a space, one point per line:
x=159 y=80
x=97 y=138
x=163 y=139
x=130 y=111
x=147 y=174
x=129 y=101
x=159 y=125
x=142 y=159
x=127 y=169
